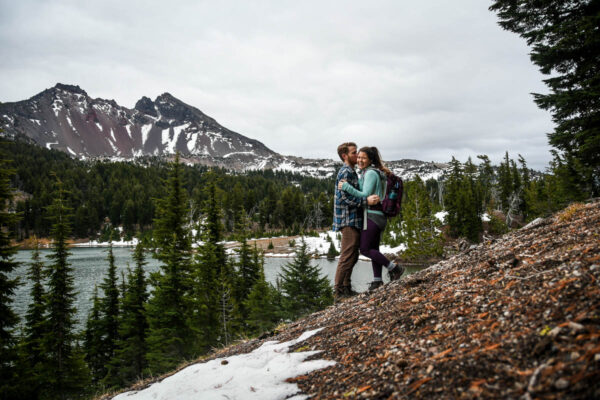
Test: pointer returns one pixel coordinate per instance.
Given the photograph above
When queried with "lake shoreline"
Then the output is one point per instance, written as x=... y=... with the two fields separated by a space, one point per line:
x=273 y=247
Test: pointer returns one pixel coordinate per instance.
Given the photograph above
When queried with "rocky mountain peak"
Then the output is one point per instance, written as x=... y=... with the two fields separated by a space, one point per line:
x=70 y=88
x=146 y=106
x=172 y=108
x=64 y=117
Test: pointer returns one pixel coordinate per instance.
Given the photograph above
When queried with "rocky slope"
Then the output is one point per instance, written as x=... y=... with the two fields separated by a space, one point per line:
x=516 y=317
x=66 y=118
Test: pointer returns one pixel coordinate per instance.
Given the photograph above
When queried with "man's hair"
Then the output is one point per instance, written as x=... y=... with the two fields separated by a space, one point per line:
x=343 y=148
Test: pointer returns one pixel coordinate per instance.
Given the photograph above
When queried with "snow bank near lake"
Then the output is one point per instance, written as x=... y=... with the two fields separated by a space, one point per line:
x=259 y=375
x=320 y=245
x=120 y=243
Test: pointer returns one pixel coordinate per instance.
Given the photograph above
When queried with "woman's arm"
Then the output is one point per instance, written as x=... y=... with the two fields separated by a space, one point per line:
x=369 y=185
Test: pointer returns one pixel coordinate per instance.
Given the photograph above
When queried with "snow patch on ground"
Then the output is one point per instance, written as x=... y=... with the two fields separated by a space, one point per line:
x=71 y=151
x=259 y=375
x=120 y=243
x=49 y=145
x=441 y=216
x=320 y=246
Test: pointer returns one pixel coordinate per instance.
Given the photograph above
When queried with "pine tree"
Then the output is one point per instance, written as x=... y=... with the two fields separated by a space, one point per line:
x=93 y=339
x=505 y=183
x=130 y=361
x=66 y=370
x=263 y=310
x=205 y=297
x=304 y=290
x=472 y=203
x=565 y=43
x=210 y=268
x=8 y=318
x=170 y=336
x=227 y=308
x=32 y=353
x=213 y=228
x=109 y=312
x=486 y=179
x=332 y=252
x=463 y=201
x=451 y=197
x=245 y=277
x=172 y=221
x=110 y=307
x=527 y=194
x=421 y=228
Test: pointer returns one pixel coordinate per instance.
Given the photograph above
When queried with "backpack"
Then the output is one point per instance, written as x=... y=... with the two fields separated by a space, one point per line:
x=392 y=202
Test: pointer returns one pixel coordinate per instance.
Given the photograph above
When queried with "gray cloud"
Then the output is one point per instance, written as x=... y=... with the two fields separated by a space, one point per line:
x=426 y=80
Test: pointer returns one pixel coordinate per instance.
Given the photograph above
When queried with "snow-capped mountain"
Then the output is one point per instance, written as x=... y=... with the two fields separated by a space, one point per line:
x=66 y=118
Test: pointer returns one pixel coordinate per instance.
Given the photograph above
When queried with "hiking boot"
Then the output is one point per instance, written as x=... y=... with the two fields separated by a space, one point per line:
x=348 y=291
x=396 y=273
x=338 y=293
x=374 y=285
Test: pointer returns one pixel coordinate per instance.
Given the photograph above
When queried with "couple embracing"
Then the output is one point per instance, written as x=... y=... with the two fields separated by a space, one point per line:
x=358 y=215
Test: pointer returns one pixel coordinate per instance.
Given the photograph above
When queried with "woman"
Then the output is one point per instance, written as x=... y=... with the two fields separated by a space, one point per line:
x=372 y=180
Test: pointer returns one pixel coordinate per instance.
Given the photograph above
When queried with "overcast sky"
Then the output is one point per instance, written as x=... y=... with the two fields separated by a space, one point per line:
x=422 y=79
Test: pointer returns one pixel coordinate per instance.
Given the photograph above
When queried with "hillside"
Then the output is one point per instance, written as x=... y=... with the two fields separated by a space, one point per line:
x=516 y=317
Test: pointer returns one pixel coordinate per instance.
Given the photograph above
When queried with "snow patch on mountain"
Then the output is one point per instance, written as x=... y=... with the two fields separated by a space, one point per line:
x=145 y=131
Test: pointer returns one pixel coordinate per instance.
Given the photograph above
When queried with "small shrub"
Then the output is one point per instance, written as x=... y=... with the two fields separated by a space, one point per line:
x=292 y=243
x=332 y=252
x=570 y=212
x=270 y=246
x=497 y=226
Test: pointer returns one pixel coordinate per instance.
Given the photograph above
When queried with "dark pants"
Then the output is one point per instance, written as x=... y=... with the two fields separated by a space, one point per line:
x=369 y=247
x=348 y=256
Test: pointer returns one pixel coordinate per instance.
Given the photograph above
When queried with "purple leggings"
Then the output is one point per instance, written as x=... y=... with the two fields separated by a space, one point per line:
x=369 y=247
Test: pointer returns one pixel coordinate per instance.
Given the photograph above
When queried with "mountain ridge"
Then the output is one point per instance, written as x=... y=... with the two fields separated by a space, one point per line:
x=66 y=118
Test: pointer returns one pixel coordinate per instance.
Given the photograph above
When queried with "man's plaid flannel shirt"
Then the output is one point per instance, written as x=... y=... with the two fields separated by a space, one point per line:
x=347 y=208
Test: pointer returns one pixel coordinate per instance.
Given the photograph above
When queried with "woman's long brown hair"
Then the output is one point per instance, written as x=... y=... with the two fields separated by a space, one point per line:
x=375 y=159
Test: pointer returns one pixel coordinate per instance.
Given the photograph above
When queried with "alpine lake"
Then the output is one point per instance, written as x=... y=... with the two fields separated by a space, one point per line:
x=90 y=267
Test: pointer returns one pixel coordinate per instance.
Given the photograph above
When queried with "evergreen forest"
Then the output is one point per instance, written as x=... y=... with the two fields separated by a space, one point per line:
x=139 y=325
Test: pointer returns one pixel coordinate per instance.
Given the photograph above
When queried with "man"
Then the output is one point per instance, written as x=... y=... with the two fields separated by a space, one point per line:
x=348 y=219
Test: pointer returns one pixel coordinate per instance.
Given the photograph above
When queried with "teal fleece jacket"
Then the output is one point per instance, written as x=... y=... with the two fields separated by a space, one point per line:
x=369 y=182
